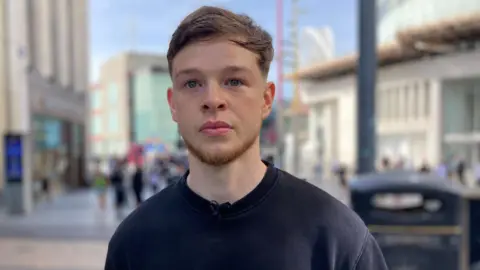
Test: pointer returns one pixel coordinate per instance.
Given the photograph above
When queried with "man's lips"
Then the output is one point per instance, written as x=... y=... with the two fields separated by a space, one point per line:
x=215 y=125
x=215 y=128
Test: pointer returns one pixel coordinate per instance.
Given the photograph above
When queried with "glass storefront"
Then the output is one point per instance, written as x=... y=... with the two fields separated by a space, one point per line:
x=461 y=106
x=49 y=154
x=58 y=153
x=461 y=120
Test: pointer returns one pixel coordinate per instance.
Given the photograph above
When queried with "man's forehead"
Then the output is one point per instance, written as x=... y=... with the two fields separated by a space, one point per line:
x=215 y=55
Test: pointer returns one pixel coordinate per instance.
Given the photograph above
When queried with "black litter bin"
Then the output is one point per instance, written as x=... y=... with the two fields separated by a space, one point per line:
x=417 y=219
x=472 y=197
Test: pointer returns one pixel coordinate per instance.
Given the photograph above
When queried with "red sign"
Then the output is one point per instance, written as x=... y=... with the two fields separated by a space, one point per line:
x=135 y=155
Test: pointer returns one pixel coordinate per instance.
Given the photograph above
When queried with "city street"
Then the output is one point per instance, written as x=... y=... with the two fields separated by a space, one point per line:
x=70 y=233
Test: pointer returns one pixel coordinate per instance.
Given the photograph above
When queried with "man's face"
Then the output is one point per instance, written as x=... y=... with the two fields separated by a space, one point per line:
x=219 y=99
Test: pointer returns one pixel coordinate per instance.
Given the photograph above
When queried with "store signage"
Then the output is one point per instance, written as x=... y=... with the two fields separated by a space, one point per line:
x=13 y=157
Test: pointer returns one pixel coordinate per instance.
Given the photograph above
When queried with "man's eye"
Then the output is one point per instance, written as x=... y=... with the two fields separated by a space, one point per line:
x=191 y=84
x=234 y=82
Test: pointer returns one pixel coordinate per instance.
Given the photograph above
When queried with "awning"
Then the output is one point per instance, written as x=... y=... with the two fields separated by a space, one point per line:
x=412 y=43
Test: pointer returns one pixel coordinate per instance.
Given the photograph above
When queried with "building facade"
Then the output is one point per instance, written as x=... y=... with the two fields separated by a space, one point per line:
x=427 y=102
x=152 y=120
x=111 y=102
x=45 y=59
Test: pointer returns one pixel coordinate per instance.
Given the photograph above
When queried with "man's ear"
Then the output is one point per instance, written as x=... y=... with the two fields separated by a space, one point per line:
x=268 y=99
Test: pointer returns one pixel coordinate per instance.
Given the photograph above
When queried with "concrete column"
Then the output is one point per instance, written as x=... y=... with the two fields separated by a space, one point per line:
x=64 y=50
x=421 y=100
x=4 y=102
x=435 y=131
x=411 y=102
x=312 y=124
x=402 y=104
x=328 y=157
x=19 y=193
x=45 y=53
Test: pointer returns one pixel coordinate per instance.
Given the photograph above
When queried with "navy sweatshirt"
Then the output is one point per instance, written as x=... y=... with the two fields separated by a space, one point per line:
x=283 y=224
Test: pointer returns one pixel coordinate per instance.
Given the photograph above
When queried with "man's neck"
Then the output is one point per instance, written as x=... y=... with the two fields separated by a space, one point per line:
x=228 y=183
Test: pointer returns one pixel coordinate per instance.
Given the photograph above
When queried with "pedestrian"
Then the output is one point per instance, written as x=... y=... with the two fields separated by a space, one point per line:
x=46 y=188
x=230 y=210
x=342 y=175
x=476 y=173
x=137 y=185
x=424 y=168
x=117 y=181
x=155 y=176
x=385 y=164
x=100 y=183
x=460 y=170
x=442 y=170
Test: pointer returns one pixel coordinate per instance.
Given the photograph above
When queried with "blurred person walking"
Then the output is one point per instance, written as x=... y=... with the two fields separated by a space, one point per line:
x=460 y=170
x=157 y=181
x=100 y=184
x=47 y=188
x=476 y=173
x=231 y=210
x=442 y=170
x=117 y=180
x=137 y=184
x=386 y=164
x=425 y=167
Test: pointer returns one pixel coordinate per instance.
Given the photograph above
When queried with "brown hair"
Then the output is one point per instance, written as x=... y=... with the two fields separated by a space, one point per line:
x=212 y=22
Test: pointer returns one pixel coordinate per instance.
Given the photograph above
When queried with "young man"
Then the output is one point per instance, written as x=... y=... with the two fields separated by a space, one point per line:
x=231 y=210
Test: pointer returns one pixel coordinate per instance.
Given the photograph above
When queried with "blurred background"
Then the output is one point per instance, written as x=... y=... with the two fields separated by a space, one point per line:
x=363 y=86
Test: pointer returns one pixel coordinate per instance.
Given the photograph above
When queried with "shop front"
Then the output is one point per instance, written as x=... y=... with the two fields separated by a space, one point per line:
x=58 y=117
x=58 y=155
x=461 y=120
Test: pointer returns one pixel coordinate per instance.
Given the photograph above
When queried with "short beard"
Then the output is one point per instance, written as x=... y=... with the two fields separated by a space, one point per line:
x=217 y=160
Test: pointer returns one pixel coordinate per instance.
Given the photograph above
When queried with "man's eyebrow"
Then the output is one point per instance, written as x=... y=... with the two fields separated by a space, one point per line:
x=189 y=71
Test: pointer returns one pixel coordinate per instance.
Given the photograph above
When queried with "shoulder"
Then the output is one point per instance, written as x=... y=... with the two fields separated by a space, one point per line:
x=316 y=203
x=335 y=226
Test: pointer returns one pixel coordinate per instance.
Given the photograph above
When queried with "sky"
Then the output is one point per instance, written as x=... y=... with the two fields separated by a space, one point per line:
x=146 y=25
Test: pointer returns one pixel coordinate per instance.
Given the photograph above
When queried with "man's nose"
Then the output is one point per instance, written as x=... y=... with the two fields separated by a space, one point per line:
x=214 y=99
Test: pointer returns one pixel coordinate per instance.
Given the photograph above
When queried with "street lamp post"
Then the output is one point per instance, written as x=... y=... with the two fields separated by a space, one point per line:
x=279 y=90
x=366 y=83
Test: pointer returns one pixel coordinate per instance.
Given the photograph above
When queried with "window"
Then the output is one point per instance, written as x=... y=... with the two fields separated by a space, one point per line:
x=96 y=125
x=378 y=104
x=416 y=101
x=427 y=99
x=387 y=106
x=115 y=147
x=96 y=100
x=112 y=94
x=395 y=106
x=406 y=101
x=97 y=148
x=113 y=121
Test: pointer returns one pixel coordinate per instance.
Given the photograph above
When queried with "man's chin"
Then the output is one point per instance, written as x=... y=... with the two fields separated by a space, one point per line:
x=218 y=153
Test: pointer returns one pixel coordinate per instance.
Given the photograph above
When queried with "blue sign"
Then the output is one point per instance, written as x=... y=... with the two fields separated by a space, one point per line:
x=13 y=158
x=157 y=148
